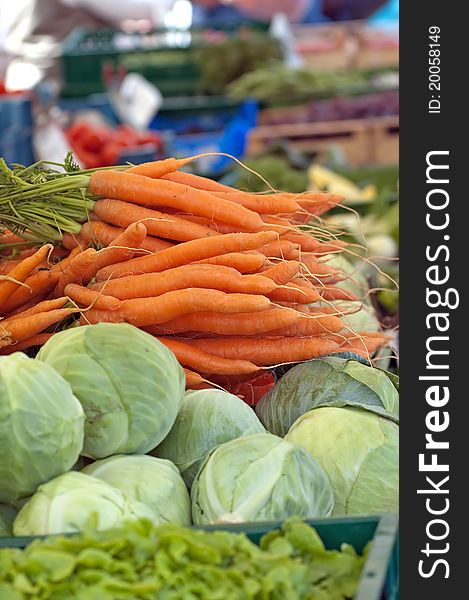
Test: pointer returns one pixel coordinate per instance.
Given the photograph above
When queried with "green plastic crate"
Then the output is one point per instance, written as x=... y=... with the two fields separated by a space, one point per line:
x=380 y=576
x=163 y=62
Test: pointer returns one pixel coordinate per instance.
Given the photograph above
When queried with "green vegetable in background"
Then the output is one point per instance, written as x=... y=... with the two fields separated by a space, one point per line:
x=130 y=385
x=41 y=425
x=359 y=451
x=327 y=381
x=141 y=561
x=7 y=516
x=69 y=502
x=276 y=171
x=259 y=477
x=206 y=418
x=153 y=481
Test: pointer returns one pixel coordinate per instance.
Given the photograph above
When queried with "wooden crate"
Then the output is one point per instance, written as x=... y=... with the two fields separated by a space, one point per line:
x=363 y=141
x=324 y=47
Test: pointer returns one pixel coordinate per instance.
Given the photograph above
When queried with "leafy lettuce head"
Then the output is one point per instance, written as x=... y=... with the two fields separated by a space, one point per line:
x=154 y=482
x=41 y=425
x=259 y=477
x=129 y=384
x=359 y=451
x=73 y=501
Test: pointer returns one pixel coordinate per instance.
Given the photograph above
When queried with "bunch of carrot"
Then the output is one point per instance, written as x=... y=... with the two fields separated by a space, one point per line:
x=229 y=281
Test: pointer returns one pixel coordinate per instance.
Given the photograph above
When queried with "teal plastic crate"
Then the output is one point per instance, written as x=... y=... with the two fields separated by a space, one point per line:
x=380 y=575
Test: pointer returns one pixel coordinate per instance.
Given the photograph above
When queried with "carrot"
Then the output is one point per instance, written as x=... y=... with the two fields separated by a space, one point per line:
x=86 y=297
x=124 y=214
x=20 y=273
x=214 y=277
x=306 y=242
x=159 y=168
x=36 y=340
x=188 y=252
x=142 y=312
x=97 y=232
x=364 y=344
x=335 y=293
x=194 y=380
x=281 y=249
x=201 y=361
x=283 y=272
x=295 y=293
x=268 y=351
x=22 y=329
x=77 y=270
x=195 y=181
x=320 y=272
x=248 y=262
x=38 y=284
x=311 y=325
x=260 y=203
x=225 y=324
x=8 y=264
x=218 y=227
x=45 y=306
x=121 y=249
x=156 y=192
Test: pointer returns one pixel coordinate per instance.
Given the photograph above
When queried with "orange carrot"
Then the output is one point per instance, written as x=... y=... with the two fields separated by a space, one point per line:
x=38 y=285
x=77 y=271
x=306 y=242
x=36 y=340
x=121 y=249
x=156 y=192
x=281 y=249
x=97 y=232
x=295 y=293
x=124 y=214
x=188 y=252
x=22 y=329
x=283 y=272
x=267 y=351
x=45 y=306
x=223 y=324
x=85 y=297
x=335 y=293
x=201 y=361
x=248 y=262
x=20 y=273
x=142 y=312
x=261 y=203
x=195 y=181
x=311 y=325
x=214 y=277
x=159 y=168
x=195 y=381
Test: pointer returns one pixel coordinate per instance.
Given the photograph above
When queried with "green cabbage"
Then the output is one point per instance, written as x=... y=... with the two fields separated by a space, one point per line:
x=359 y=450
x=72 y=501
x=259 y=477
x=206 y=418
x=327 y=381
x=130 y=385
x=155 y=482
x=41 y=425
x=7 y=516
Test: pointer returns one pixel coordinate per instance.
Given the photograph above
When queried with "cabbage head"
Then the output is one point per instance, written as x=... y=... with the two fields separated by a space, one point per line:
x=259 y=477
x=73 y=501
x=206 y=418
x=129 y=384
x=41 y=425
x=327 y=381
x=155 y=482
x=7 y=516
x=359 y=451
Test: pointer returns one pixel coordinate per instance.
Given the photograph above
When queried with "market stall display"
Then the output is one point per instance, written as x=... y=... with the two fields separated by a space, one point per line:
x=199 y=389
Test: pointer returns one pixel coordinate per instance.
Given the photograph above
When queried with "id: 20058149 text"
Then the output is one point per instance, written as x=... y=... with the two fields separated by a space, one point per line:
x=434 y=70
